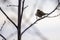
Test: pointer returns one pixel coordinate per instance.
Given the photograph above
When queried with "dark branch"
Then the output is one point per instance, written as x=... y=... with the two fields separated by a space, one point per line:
x=8 y=18
x=54 y=16
x=19 y=19
x=22 y=8
x=29 y=26
x=3 y=37
x=54 y=10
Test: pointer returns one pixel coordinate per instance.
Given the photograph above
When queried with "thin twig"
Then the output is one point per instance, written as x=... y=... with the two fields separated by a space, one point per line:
x=53 y=16
x=54 y=10
x=59 y=4
x=22 y=8
x=3 y=37
x=25 y=7
x=30 y=26
x=16 y=6
x=8 y=18
x=3 y=25
x=12 y=6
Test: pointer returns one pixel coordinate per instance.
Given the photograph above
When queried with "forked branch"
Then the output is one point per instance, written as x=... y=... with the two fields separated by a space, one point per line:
x=8 y=18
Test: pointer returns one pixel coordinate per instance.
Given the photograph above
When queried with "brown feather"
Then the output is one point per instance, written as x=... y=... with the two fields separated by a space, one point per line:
x=40 y=13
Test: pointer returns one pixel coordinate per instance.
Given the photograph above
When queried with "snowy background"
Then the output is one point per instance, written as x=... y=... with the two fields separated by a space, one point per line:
x=46 y=29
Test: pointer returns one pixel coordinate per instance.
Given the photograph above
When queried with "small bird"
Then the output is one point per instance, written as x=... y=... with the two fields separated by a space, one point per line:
x=40 y=13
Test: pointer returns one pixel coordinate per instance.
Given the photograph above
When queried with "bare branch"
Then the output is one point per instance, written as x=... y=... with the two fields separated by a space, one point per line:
x=16 y=6
x=8 y=18
x=30 y=26
x=58 y=8
x=55 y=9
x=3 y=37
x=53 y=16
x=12 y=6
x=22 y=8
x=25 y=7
x=3 y=25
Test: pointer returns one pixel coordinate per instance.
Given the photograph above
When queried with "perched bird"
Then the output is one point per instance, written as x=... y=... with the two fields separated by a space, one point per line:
x=40 y=13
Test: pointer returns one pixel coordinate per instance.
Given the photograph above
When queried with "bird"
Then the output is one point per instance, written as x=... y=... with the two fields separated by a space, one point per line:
x=40 y=13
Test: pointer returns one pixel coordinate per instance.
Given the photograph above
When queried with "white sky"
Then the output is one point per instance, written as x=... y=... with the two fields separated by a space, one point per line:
x=49 y=28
